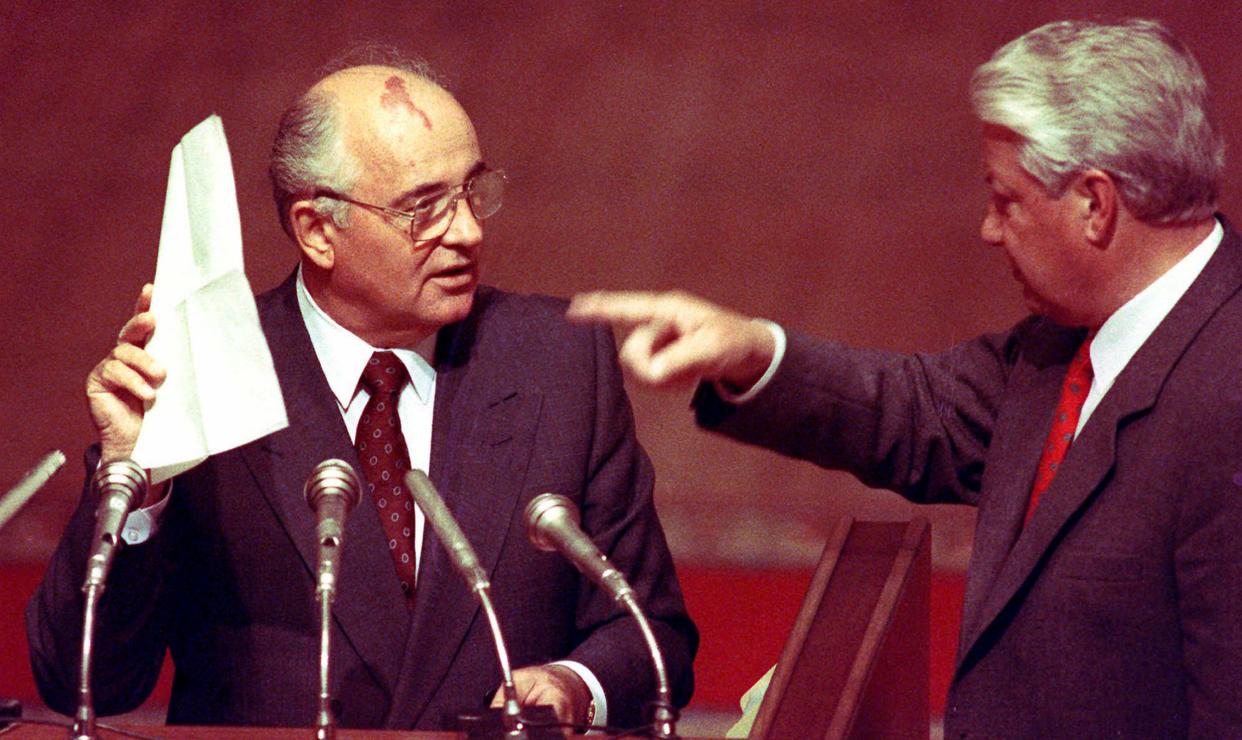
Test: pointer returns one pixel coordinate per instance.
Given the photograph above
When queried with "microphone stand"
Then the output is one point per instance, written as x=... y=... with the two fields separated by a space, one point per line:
x=333 y=485
x=325 y=719
x=467 y=563
x=11 y=503
x=122 y=485
x=511 y=715
x=664 y=714
x=552 y=525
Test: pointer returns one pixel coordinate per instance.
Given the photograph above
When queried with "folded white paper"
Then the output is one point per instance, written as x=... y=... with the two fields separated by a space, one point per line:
x=221 y=390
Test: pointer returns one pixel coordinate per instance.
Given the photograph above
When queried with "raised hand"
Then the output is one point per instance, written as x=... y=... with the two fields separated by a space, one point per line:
x=118 y=388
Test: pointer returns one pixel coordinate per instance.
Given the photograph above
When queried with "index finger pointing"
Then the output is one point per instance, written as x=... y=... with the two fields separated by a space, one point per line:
x=616 y=307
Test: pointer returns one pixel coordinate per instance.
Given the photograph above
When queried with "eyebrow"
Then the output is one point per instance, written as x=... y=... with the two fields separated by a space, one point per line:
x=414 y=194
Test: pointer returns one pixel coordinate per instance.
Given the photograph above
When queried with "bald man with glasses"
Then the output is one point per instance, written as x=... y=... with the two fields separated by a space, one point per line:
x=381 y=336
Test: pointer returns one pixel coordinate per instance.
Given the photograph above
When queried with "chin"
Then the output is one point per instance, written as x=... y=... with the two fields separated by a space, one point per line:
x=453 y=308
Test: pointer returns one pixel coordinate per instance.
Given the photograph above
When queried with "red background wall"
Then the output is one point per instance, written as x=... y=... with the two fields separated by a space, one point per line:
x=814 y=163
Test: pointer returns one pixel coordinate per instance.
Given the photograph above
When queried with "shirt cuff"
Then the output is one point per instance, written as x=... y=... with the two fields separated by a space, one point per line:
x=597 y=691
x=778 y=354
x=142 y=524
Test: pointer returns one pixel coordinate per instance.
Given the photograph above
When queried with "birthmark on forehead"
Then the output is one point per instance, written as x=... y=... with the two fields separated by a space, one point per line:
x=396 y=97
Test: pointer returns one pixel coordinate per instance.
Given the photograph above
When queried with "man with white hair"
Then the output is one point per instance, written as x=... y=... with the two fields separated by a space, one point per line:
x=390 y=356
x=1099 y=438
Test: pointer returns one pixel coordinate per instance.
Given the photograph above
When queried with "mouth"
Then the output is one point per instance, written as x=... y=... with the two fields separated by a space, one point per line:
x=457 y=277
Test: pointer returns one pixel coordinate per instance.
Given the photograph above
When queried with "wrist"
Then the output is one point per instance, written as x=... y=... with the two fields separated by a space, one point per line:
x=759 y=347
x=582 y=705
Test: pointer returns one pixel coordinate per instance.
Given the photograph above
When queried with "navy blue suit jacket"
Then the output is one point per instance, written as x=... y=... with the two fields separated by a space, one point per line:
x=525 y=403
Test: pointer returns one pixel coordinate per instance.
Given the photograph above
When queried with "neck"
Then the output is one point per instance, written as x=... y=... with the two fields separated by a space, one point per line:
x=360 y=320
x=1147 y=251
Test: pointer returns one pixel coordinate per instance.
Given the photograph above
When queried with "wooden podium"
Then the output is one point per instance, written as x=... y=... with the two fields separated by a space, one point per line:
x=856 y=664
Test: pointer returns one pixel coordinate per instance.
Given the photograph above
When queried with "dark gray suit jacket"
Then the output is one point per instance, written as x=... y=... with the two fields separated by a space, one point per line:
x=525 y=403
x=1118 y=610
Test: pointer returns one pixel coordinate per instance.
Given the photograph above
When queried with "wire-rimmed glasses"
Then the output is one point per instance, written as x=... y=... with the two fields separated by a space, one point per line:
x=430 y=217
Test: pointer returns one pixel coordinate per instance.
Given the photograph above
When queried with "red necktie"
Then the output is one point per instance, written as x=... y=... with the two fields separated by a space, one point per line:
x=382 y=452
x=1064 y=423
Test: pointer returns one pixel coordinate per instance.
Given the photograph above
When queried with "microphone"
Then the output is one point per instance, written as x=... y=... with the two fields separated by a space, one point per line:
x=331 y=491
x=29 y=485
x=467 y=563
x=121 y=486
x=447 y=530
x=552 y=525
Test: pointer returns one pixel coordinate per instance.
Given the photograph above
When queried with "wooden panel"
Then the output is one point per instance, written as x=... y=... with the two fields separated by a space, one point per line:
x=856 y=662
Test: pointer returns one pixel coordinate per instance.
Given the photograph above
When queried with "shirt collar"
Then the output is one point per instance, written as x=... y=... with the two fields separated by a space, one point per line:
x=343 y=354
x=1121 y=336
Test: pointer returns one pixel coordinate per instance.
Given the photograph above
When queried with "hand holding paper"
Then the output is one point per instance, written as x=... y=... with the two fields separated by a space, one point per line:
x=120 y=386
x=221 y=390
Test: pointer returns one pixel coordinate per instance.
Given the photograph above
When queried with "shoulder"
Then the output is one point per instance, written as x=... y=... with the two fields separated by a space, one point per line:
x=493 y=304
x=528 y=328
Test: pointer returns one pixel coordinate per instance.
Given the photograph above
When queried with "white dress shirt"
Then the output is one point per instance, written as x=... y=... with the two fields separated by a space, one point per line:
x=343 y=355
x=1131 y=325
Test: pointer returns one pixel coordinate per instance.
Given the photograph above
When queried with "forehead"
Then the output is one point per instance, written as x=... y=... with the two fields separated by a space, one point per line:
x=1001 y=166
x=403 y=130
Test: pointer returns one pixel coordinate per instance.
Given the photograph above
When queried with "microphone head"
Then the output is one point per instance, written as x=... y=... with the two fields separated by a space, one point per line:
x=333 y=478
x=547 y=512
x=124 y=477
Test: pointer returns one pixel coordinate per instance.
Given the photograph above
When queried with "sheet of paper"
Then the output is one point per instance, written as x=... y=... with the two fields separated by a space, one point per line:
x=221 y=390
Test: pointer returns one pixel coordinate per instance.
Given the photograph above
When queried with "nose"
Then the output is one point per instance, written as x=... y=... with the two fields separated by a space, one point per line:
x=464 y=229
x=990 y=228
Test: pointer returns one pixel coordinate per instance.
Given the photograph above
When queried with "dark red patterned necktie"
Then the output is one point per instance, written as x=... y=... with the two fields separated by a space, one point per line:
x=1064 y=424
x=385 y=460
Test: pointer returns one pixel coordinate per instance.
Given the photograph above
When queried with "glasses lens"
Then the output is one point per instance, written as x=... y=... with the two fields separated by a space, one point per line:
x=483 y=192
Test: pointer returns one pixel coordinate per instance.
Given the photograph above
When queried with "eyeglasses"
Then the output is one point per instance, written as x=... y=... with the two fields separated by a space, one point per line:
x=431 y=217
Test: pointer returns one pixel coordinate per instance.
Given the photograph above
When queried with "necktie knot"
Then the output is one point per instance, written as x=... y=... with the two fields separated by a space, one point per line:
x=384 y=374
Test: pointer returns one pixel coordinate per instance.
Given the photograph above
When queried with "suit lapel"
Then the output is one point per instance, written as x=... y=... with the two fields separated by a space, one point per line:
x=482 y=436
x=1020 y=433
x=281 y=464
x=1093 y=454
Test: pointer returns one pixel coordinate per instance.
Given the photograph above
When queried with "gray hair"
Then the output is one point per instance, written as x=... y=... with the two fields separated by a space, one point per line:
x=309 y=154
x=1127 y=98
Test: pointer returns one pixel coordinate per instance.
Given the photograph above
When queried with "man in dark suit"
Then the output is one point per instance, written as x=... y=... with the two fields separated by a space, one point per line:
x=1099 y=438
x=380 y=181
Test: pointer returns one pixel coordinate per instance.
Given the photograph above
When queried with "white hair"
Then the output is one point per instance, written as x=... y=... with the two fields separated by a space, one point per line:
x=1127 y=98
x=309 y=154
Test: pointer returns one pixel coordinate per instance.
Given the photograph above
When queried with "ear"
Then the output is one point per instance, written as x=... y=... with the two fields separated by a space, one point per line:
x=1098 y=203
x=315 y=233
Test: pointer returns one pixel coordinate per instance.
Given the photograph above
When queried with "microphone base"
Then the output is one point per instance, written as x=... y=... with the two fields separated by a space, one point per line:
x=489 y=724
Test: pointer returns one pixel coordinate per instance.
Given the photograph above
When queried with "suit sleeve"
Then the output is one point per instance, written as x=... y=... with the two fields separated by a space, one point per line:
x=916 y=424
x=129 y=639
x=619 y=514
